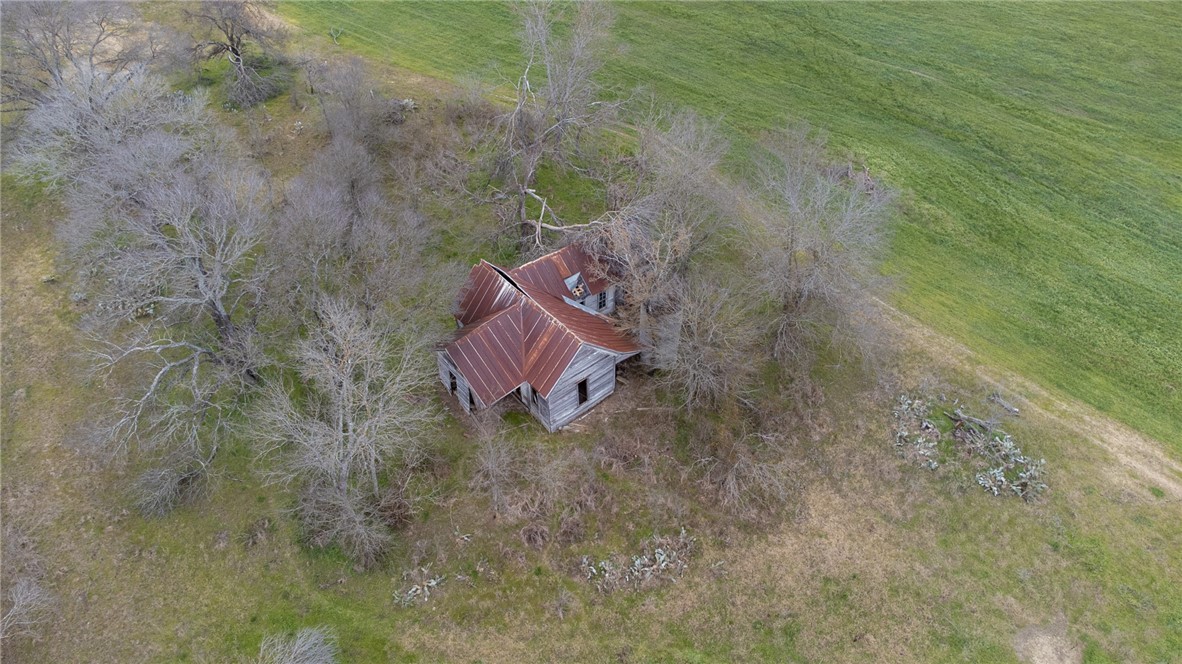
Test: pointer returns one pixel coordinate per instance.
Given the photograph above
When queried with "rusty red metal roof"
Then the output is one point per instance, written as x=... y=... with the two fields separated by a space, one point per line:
x=518 y=329
x=547 y=348
x=486 y=292
x=550 y=271
x=587 y=327
x=489 y=354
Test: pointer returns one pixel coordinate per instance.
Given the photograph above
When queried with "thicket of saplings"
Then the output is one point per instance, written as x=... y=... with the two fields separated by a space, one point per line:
x=219 y=303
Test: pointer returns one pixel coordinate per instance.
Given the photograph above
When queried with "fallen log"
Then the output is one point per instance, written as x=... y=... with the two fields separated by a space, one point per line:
x=960 y=419
x=996 y=398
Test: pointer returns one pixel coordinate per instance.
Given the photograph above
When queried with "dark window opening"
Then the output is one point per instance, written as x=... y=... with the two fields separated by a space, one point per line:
x=471 y=399
x=452 y=378
x=603 y=300
x=582 y=391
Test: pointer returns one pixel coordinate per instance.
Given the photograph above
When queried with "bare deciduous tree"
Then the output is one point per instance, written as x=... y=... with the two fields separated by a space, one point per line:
x=548 y=119
x=647 y=255
x=569 y=92
x=497 y=464
x=191 y=255
x=353 y=106
x=365 y=412
x=46 y=44
x=677 y=165
x=310 y=645
x=119 y=132
x=351 y=518
x=818 y=247
x=748 y=471
x=174 y=303
x=674 y=208
x=242 y=32
x=340 y=232
x=704 y=346
x=26 y=602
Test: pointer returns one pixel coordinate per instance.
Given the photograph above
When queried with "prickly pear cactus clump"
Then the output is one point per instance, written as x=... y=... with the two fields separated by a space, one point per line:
x=421 y=583
x=1009 y=471
x=916 y=437
x=662 y=559
x=996 y=461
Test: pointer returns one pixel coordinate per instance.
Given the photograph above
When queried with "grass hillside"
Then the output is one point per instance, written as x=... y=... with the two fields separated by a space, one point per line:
x=880 y=561
x=1039 y=142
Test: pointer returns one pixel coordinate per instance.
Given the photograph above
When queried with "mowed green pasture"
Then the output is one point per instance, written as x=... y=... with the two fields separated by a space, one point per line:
x=1040 y=146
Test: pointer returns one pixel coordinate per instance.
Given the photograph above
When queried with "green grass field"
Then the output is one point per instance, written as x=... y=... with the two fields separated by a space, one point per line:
x=1039 y=145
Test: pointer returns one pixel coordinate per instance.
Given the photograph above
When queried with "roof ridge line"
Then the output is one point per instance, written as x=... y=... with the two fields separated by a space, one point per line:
x=553 y=317
x=504 y=274
x=513 y=282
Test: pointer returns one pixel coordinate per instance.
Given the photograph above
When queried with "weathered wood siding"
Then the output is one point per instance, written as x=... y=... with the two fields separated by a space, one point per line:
x=598 y=368
x=463 y=393
x=540 y=409
x=610 y=304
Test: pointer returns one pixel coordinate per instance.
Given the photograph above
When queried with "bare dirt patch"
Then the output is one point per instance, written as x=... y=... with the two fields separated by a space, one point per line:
x=1140 y=457
x=1048 y=644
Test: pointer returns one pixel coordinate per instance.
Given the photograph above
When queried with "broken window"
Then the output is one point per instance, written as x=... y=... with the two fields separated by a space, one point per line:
x=582 y=391
x=577 y=285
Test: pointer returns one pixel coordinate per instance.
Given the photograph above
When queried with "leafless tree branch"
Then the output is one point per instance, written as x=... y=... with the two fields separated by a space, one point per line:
x=818 y=247
x=365 y=412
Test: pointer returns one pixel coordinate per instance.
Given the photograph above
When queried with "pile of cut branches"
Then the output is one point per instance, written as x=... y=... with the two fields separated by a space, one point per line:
x=1009 y=469
x=998 y=462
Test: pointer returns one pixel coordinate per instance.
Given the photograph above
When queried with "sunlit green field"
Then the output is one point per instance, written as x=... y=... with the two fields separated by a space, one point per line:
x=1039 y=145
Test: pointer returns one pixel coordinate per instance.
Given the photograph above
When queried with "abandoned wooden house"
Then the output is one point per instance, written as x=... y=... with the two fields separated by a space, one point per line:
x=539 y=332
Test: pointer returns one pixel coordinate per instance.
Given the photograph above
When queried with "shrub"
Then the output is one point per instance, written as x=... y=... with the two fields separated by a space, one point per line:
x=310 y=645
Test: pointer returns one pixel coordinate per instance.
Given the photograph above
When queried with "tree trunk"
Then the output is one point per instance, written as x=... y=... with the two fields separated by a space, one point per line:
x=222 y=321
